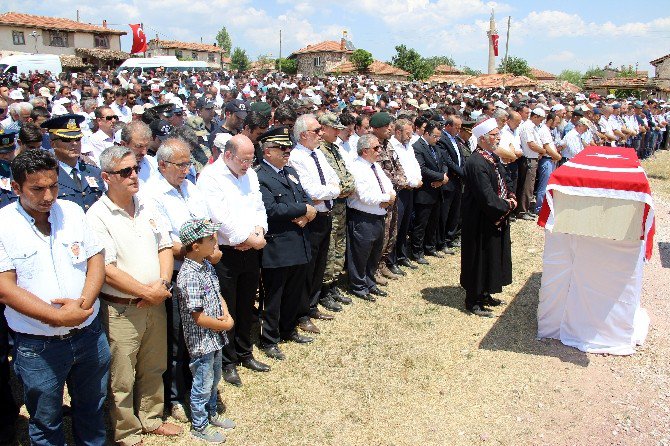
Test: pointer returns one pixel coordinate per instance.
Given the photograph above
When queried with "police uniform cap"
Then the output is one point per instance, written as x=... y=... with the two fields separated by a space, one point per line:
x=64 y=126
x=7 y=140
x=160 y=128
x=262 y=108
x=278 y=135
x=380 y=119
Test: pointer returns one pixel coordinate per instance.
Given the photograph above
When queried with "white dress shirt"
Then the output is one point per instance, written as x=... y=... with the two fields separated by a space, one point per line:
x=97 y=143
x=573 y=144
x=234 y=202
x=544 y=132
x=176 y=207
x=122 y=111
x=301 y=160
x=368 y=195
x=148 y=170
x=346 y=150
x=509 y=137
x=528 y=133
x=408 y=162
x=50 y=267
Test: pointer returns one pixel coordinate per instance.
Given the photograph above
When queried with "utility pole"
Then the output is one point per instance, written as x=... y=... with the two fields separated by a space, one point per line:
x=280 y=45
x=509 y=20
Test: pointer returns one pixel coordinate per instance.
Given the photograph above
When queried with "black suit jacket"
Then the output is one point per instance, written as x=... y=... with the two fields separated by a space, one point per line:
x=431 y=170
x=284 y=199
x=456 y=169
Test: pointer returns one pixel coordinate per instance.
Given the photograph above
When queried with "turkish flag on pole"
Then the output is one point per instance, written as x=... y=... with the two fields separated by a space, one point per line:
x=139 y=39
x=494 y=38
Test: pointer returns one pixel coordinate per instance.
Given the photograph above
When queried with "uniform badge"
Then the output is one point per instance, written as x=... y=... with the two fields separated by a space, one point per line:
x=76 y=249
x=292 y=178
x=92 y=182
x=71 y=125
x=154 y=226
x=5 y=184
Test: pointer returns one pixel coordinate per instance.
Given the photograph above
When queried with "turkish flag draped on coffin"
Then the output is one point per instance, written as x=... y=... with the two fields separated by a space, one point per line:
x=139 y=39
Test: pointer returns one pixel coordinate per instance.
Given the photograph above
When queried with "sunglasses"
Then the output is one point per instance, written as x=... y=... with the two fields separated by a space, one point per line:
x=2 y=110
x=282 y=148
x=126 y=172
x=111 y=118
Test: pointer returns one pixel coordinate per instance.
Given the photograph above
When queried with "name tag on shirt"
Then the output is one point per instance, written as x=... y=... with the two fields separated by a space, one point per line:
x=154 y=226
x=76 y=252
x=5 y=184
x=292 y=178
x=92 y=182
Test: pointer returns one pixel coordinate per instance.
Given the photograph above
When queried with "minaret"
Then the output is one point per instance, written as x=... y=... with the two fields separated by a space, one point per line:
x=491 y=32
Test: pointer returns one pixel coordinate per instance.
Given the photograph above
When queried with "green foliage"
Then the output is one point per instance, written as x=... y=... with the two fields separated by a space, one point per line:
x=628 y=71
x=435 y=61
x=514 y=65
x=361 y=59
x=223 y=40
x=412 y=62
x=470 y=71
x=575 y=77
x=239 y=60
x=594 y=72
x=288 y=66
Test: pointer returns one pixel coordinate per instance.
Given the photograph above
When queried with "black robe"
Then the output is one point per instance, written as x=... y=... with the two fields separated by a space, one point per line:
x=486 y=248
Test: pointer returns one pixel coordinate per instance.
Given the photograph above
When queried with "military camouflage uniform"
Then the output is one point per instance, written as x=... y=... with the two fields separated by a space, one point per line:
x=338 y=242
x=390 y=163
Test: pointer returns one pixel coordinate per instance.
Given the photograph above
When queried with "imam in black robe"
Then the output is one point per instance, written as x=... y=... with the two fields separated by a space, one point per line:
x=486 y=249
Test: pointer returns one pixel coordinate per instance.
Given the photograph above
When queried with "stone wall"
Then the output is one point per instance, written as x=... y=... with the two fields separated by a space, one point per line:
x=328 y=61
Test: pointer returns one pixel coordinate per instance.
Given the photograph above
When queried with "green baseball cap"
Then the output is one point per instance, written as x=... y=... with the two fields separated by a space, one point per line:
x=196 y=229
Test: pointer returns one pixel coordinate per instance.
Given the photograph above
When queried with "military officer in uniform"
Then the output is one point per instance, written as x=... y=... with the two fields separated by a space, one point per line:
x=330 y=295
x=288 y=251
x=7 y=153
x=78 y=182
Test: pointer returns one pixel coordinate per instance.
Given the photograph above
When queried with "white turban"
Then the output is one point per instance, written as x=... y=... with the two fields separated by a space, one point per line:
x=484 y=127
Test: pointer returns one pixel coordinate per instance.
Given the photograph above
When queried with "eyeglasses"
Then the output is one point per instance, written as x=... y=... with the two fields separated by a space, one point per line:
x=111 y=118
x=316 y=131
x=126 y=171
x=282 y=148
x=375 y=148
x=2 y=110
x=245 y=162
x=182 y=166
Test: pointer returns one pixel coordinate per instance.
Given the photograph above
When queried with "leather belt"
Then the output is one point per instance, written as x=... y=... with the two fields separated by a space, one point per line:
x=119 y=300
x=62 y=337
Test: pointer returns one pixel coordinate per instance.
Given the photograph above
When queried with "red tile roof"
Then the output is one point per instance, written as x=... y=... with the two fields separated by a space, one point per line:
x=375 y=68
x=541 y=74
x=186 y=46
x=447 y=69
x=56 y=23
x=327 y=46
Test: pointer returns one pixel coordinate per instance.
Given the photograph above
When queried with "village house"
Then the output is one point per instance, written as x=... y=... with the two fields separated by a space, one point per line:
x=661 y=79
x=214 y=55
x=321 y=58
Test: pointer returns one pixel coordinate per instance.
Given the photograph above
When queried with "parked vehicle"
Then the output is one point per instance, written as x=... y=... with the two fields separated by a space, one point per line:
x=24 y=63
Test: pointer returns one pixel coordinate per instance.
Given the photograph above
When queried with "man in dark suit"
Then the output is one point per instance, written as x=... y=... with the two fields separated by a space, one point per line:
x=451 y=205
x=428 y=198
x=288 y=251
x=77 y=182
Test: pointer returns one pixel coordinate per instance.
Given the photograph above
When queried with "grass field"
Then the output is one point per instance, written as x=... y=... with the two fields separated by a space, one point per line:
x=416 y=369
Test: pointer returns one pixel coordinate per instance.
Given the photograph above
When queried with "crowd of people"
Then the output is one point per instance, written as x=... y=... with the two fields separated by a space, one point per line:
x=150 y=219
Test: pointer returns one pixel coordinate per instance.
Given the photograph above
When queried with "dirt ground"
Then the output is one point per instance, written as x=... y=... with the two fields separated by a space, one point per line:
x=415 y=368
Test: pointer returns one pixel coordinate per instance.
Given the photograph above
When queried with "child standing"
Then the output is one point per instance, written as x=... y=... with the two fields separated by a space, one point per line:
x=205 y=319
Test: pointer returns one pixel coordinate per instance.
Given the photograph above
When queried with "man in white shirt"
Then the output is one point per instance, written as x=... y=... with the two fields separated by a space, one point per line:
x=232 y=193
x=51 y=271
x=532 y=150
x=119 y=106
x=365 y=223
x=546 y=163
x=178 y=201
x=137 y=136
x=106 y=120
x=510 y=139
x=572 y=143
x=322 y=184
x=403 y=131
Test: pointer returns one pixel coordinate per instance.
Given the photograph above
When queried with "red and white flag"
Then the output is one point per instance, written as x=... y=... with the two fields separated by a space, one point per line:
x=139 y=39
x=494 y=39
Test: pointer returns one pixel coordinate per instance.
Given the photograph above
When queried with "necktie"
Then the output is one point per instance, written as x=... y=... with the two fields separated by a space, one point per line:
x=432 y=150
x=76 y=179
x=381 y=186
x=328 y=203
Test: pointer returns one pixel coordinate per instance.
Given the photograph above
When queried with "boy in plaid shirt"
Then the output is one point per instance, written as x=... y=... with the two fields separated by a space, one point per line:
x=205 y=319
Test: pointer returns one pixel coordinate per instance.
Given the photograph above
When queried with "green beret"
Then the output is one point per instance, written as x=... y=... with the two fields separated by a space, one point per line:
x=262 y=108
x=380 y=119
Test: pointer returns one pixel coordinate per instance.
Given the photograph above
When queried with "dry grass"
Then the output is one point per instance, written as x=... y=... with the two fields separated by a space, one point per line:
x=414 y=368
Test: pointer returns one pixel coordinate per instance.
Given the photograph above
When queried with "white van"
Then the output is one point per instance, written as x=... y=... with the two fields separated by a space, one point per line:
x=170 y=63
x=23 y=63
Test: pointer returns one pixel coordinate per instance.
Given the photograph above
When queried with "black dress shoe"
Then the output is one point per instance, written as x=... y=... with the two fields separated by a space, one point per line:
x=298 y=338
x=341 y=298
x=421 y=260
x=378 y=291
x=364 y=295
x=492 y=301
x=255 y=365
x=406 y=263
x=396 y=270
x=273 y=351
x=480 y=310
x=435 y=254
x=308 y=326
x=316 y=314
x=231 y=376
x=329 y=303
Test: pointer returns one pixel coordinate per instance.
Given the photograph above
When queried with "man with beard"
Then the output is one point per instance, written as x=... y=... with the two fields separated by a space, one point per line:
x=486 y=255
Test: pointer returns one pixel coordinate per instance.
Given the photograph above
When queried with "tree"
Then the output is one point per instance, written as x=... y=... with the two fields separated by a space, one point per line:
x=470 y=71
x=288 y=66
x=412 y=62
x=436 y=61
x=223 y=40
x=594 y=72
x=361 y=59
x=239 y=60
x=514 y=65
x=572 y=76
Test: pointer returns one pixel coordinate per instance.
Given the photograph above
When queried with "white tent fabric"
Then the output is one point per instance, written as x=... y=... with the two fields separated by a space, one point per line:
x=590 y=293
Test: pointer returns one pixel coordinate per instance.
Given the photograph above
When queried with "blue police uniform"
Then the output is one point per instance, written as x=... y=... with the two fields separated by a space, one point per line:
x=7 y=144
x=89 y=189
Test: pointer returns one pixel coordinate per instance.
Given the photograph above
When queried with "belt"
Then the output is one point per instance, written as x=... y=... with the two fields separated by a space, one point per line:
x=365 y=214
x=324 y=213
x=119 y=300
x=62 y=337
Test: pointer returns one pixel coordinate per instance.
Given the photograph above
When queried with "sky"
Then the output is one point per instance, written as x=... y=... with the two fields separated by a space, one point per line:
x=551 y=36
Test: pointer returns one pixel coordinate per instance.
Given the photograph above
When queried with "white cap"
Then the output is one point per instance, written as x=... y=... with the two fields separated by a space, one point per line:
x=137 y=109
x=500 y=104
x=16 y=95
x=539 y=112
x=484 y=127
x=557 y=107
